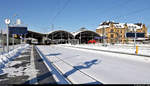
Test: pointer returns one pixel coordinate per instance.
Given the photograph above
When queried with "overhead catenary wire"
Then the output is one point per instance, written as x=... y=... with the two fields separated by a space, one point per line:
x=134 y=12
x=138 y=11
x=127 y=16
x=59 y=12
x=123 y=3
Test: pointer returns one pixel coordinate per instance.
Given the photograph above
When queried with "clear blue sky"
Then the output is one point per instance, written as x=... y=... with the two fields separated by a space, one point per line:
x=39 y=14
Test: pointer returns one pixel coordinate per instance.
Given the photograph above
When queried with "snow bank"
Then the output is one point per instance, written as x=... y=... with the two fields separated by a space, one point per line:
x=6 y=57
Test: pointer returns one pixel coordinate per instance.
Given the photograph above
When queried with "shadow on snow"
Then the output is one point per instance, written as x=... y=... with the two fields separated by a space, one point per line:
x=54 y=54
x=86 y=65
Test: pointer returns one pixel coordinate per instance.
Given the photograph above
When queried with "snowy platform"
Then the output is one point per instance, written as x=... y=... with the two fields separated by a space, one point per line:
x=143 y=49
x=26 y=68
x=18 y=69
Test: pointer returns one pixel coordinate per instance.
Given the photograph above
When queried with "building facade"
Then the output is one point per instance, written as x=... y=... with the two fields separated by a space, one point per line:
x=116 y=32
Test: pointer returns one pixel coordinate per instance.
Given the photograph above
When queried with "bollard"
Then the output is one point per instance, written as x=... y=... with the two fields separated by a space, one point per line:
x=136 y=50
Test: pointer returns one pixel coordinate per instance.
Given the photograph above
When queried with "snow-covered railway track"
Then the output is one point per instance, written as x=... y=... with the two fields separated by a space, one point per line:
x=53 y=69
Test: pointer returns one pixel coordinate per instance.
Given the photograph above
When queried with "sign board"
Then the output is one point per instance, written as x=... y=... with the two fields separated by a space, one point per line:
x=17 y=30
x=132 y=35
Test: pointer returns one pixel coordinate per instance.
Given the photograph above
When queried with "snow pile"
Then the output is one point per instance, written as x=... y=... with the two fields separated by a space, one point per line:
x=6 y=57
x=19 y=71
x=12 y=71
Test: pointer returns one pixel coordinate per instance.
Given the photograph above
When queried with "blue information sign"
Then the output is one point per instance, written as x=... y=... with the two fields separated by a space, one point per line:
x=138 y=34
x=17 y=30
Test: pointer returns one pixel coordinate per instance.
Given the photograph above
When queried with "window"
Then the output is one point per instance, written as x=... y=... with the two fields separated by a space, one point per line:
x=112 y=30
x=112 y=35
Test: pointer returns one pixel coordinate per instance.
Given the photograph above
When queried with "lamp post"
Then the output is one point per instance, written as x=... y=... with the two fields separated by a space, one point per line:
x=68 y=38
x=7 y=22
x=134 y=37
x=52 y=31
x=80 y=37
x=103 y=36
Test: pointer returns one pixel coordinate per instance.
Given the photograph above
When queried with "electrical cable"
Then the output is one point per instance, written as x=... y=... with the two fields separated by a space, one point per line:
x=60 y=11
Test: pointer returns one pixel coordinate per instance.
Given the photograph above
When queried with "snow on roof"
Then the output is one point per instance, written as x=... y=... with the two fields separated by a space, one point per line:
x=75 y=33
x=58 y=31
x=102 y=26
x=131 y=26
x=120 y=25
x=54 y=31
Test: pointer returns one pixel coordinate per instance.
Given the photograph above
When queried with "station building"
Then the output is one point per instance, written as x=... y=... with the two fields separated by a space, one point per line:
x=62 y=36
x=116 y=32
